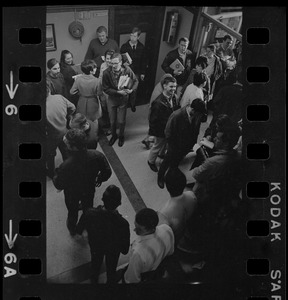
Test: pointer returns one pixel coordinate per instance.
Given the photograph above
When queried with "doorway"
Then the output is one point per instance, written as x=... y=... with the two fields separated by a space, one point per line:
x=150 y=20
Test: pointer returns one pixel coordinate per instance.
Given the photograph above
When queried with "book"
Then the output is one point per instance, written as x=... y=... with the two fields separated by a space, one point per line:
x=207 y=143
x=126 y=58
x=124 y=82
x=177 y=65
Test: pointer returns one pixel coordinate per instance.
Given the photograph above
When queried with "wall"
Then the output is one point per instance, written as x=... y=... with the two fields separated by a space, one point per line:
x=185 y=24
x=64 y=40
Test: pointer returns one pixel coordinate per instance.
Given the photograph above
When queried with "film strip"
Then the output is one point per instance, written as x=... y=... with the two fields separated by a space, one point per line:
x=24 y=150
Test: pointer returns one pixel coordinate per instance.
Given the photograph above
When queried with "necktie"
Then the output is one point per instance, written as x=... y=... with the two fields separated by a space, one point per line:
x=134 y=48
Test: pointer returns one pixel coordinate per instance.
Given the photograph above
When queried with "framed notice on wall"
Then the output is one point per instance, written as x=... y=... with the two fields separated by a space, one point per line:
x=50 y=38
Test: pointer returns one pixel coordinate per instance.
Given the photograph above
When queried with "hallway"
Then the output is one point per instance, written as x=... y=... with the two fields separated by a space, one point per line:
x=68 y=257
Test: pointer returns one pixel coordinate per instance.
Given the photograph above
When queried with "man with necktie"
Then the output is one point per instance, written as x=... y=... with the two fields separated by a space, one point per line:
x=137 y=52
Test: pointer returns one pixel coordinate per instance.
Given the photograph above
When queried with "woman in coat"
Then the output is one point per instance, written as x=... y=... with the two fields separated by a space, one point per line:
x=87 y=85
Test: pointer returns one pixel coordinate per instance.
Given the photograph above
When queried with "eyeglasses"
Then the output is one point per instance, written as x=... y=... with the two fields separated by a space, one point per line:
x=115 y=63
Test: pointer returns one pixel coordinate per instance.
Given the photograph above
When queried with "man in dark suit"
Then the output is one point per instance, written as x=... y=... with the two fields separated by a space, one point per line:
x=181 y=133
x=136 y=51
x=108 y=233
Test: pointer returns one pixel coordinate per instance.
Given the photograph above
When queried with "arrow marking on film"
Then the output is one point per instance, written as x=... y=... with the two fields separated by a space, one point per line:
x=10 y=240
x=10 y=89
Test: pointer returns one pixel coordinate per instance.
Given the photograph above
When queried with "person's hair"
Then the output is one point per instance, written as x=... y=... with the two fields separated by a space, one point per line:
x=101 y=29
x=63 y=55
x=87 y=66
x=167 y=75
x=212 y=47
x=78 y=120
x=148 y=218
x=202 y=61
x=112 y=197
x=230 y=135
x=51 y=63
x=199 y=78
x=175 y=182
x=168 y=79
x=77 y=138
x=117 y=55
x=226 y=37
x=198 y=105
x=183 y=39
x=110 y=52
x=136 y=29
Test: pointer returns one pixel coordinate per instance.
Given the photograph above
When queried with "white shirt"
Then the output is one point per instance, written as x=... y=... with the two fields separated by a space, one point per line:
x=210 y=68
x=191 y=93
x=148 y=251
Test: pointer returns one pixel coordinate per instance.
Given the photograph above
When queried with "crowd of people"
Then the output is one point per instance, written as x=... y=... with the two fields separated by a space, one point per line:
x=87 y=101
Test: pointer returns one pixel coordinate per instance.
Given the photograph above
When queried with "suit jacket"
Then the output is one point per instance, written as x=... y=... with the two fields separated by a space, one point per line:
x=182 y=135
x=107 y=230
x=170 y=57
x=110 y=85
x=159 y=115
x=138 y=57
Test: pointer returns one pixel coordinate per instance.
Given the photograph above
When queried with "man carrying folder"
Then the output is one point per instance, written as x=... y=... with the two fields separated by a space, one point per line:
x=178 y=63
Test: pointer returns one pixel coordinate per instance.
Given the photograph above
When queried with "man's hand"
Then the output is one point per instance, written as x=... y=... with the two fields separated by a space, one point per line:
x=177 y=72
x=128 y=91
x=98 y=182
x=122 y=92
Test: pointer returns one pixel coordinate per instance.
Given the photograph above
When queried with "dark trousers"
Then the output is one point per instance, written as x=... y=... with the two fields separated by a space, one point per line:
x=117 y=111
x=133 y=95
x=104 y=121
x=171 y=160
x=111 y=261
x=51 y=153
x=72 y=204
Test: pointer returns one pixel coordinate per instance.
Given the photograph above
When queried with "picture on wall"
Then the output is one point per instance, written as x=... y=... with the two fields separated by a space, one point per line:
x=50 y=38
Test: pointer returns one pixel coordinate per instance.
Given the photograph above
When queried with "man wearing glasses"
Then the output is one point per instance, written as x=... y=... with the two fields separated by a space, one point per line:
x=118 y=82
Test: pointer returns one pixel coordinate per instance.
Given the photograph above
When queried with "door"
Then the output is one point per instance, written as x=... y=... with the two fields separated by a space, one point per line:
x=150 y=20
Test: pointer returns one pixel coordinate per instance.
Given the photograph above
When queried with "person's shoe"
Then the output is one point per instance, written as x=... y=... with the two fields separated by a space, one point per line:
x=146 y=144
x=160 y=182
x=153 y=167
x=72 y=229
x=133 y=108
x=113 y=140
x=121 y=141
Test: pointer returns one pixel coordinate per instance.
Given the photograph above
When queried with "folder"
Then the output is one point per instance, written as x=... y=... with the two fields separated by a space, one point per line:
x=177 y=65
